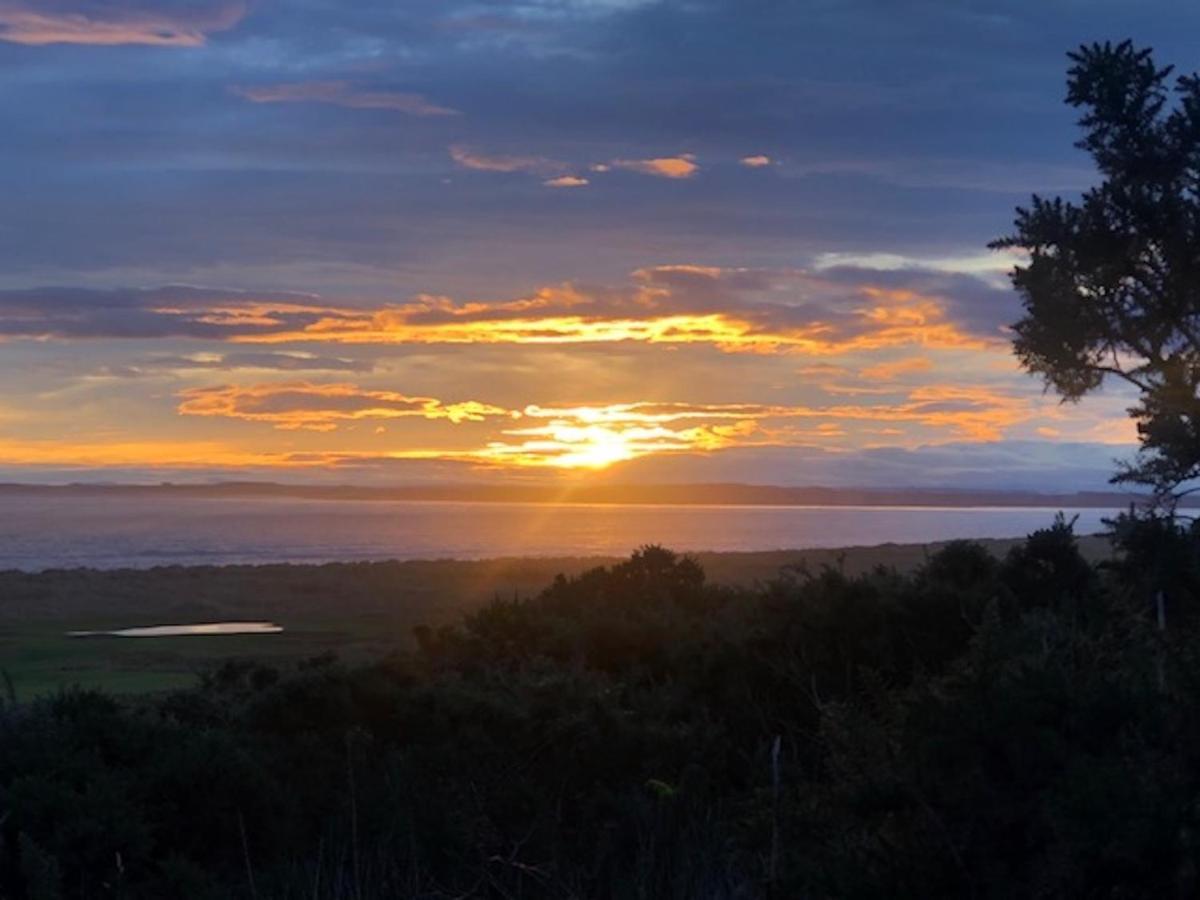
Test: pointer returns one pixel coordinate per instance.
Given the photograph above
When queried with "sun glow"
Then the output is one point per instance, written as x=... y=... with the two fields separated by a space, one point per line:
x=587 y=446
x=563 y=444
x=563 y=438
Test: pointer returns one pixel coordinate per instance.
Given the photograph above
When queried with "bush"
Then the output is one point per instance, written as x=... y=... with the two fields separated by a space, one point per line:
x=980 y=728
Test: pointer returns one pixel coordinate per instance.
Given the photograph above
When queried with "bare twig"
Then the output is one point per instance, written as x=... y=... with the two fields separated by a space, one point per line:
x=246 y=856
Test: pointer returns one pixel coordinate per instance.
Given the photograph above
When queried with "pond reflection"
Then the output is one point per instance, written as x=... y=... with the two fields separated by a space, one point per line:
x=200 y=628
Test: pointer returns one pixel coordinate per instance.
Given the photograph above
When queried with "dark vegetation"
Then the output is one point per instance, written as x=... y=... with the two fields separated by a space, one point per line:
x=359 y=610
x=977 y=728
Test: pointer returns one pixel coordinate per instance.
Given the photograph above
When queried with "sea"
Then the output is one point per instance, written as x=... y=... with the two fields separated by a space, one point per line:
x=47 y=532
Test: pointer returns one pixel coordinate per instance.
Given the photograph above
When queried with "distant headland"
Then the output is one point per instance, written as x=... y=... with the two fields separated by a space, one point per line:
x=715 y=494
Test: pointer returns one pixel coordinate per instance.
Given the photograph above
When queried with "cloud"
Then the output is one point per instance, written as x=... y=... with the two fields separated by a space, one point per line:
x=734 y=310
x=993 y=262
x=889 y=371
x=566 y=181
x=974 y=412
x=228 y=362
x=756 y=162
x=677 y=167
x=150 y=453
x=323 y=407
x=682 y=166
x=471 y=159
x=597 y=436
x=146 y=313
x=343 y=93
x=865 y=319
x=112 y=22
x=1036 y=465
x=1010 y=465
x=979 y=301
x=581 y=91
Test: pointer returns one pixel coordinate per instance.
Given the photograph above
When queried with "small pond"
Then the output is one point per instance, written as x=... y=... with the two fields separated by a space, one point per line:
x=199 y=628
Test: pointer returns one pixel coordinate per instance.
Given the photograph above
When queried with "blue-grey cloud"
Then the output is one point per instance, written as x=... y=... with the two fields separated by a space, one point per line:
x=343 y=93
x=170 y=311
x=915 y=127
x=999 y=465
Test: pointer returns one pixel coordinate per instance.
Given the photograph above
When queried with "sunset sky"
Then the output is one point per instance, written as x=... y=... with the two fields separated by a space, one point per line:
x=439 y=240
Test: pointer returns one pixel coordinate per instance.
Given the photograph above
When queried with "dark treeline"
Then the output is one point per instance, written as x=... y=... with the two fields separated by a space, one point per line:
x=985 y=728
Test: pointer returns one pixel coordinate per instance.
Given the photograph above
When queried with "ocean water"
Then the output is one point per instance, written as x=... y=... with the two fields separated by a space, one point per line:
x=39 y=533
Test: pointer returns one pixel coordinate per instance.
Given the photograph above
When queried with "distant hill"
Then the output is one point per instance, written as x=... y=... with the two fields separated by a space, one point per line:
x=673 y=494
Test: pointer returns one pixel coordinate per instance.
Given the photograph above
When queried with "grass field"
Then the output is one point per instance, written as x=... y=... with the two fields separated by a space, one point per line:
x=355 y=610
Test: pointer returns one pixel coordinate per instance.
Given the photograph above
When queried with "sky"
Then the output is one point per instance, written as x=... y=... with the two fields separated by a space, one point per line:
x=479 y=240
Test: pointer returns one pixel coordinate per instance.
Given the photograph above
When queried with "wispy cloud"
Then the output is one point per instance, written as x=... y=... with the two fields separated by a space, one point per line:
x=147 y=313
x=322 y=407
x=889 y=371
x=231 y=362
x=344 y=93
x=482 y=162
x=757 y=161
x=113 y=22
x=558 y=173
x=972 y=412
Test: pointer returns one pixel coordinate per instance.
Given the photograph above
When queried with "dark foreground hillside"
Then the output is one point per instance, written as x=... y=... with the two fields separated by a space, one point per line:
x=977 y=728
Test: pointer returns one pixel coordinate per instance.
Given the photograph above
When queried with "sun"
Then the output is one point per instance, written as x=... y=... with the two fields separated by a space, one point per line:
x=596 y=437
x=591 y=446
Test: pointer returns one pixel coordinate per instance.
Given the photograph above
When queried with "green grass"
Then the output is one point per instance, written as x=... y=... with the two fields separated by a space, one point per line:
x=41 y=661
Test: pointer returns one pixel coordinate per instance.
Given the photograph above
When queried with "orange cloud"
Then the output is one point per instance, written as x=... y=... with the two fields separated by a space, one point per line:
x=598 y=436
x=545 y=436
x=99 y=454
x=975 y=413
x=755 y=162
x=734 y=310
x=682 y=166
x=566 y=181
x=594 y=436
x=103 y=22
x=728 y=331
x=889 y=371
x=343 y=93
x=196 y=454
x=472 y=159
x=322 y=407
